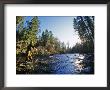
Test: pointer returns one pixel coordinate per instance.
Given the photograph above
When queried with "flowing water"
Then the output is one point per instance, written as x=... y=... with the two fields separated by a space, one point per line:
x=65 y=64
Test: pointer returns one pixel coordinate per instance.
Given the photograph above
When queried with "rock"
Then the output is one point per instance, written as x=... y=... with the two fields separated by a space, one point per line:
x=50 y=56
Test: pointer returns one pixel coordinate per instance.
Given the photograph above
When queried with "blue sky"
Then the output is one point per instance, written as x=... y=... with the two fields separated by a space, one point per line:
x=61 y=27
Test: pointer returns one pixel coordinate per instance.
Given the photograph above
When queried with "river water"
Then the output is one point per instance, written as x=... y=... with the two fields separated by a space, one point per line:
x=65 y=64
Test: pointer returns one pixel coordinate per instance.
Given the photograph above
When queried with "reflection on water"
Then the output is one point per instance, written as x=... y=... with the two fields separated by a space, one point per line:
x=65 y=64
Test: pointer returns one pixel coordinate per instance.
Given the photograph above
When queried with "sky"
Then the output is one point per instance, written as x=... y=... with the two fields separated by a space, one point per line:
x=61 y=27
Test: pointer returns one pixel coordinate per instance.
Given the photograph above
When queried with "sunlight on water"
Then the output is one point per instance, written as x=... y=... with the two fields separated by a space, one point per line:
x=81 y=56
x=63 y=64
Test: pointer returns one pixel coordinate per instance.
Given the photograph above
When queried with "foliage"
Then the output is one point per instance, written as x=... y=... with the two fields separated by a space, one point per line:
x=50 y=44
x=30 y=44
x=26 y=38
x=84 y=25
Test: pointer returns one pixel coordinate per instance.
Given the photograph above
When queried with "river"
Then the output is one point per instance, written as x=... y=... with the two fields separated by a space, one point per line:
x=65 y=64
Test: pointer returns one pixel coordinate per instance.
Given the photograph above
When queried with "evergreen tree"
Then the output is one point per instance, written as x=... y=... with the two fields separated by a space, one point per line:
x=84 y=25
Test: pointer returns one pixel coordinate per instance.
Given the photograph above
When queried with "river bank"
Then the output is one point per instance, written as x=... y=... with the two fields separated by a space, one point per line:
x=63 y=64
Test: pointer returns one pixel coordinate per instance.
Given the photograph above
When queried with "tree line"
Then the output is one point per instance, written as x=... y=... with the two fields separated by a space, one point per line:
x=28 y=39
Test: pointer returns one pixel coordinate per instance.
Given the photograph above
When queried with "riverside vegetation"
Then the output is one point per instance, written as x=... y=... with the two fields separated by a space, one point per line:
x=46 y=54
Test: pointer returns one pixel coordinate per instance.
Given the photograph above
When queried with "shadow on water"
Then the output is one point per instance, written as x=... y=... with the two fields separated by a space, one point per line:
x=63 y=64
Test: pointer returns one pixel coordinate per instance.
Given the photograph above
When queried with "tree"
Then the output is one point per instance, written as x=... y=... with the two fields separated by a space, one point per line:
x=25 y=43
x=84 y=25
x=19 y=26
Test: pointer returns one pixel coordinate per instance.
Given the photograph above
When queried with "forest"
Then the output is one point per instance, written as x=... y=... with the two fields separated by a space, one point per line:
x=32 y=46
